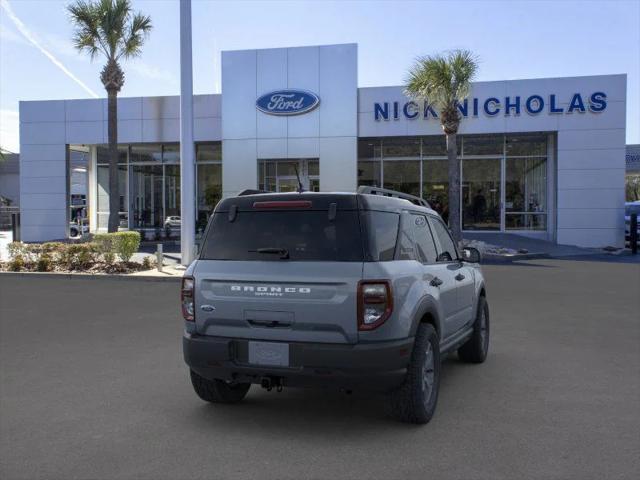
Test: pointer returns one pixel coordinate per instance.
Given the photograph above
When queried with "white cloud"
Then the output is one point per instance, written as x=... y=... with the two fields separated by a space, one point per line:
x=9 y=130
x=31 y=37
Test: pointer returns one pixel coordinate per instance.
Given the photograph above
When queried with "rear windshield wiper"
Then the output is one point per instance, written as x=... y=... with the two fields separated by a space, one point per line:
x=283 y=252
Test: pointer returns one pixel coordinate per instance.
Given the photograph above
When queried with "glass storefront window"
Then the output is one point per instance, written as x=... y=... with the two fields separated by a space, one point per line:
x=102 y=154
x=208 y=191
x=401 y=147
x=209 y=181
x=482 y=145
x=284 y=175
x=369 y=148
x=525 y=193
x=481 y=194
x=171 y=198
x=102 y=191
x=537 y=221
x=435 y=146
x=369 y=173
x=435 y=186
x=146 y=193
x=526 y=144
x=144 y=153
x=369 y=162
x=171 y=153
x=403 y=176
x=209 y=152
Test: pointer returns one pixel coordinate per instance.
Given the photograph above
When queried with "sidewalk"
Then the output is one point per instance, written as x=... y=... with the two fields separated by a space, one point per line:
x=532 y=245
x=534 y=248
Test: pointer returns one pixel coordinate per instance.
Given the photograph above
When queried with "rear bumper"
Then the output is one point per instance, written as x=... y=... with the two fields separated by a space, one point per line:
x=373 y=366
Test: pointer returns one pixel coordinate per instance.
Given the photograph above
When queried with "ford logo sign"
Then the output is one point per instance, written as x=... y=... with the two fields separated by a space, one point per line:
x=287 y=102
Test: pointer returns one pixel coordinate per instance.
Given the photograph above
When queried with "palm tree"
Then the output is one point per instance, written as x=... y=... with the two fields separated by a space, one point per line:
x=444 y=81
x=112 y=29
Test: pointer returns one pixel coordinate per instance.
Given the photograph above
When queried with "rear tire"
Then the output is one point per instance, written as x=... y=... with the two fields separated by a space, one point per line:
x=218 y=391
x=415 y=400
x=476 y=348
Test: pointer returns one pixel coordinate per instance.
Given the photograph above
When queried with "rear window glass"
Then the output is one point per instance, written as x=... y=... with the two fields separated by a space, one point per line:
x=382 y=228
x=284 y=236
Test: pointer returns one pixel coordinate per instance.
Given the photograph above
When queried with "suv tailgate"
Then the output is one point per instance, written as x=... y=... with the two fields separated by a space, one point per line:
x=285 y=301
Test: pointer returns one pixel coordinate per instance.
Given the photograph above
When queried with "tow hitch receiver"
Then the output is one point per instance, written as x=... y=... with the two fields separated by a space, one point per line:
x=268 y=383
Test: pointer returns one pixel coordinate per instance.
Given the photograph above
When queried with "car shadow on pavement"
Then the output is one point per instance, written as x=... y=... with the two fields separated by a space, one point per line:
x=309 y=412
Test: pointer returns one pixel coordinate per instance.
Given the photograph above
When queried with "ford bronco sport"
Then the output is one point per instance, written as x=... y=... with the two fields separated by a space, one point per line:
x=364 y=290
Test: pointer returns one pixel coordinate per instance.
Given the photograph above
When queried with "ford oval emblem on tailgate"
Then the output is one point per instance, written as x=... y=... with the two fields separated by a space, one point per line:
x=287 y=102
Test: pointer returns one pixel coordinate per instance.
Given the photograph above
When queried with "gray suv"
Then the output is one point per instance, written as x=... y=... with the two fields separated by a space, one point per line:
x=348 y=290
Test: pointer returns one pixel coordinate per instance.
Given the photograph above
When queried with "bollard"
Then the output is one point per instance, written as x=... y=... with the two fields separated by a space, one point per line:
x=633 y=232
x=159 y=257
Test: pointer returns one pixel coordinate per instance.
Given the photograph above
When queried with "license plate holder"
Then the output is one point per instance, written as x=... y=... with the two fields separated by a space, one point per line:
x=269 y=354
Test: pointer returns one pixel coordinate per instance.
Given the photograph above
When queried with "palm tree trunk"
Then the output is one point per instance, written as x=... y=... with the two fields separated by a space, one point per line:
x=454 y=187
x=114 y=194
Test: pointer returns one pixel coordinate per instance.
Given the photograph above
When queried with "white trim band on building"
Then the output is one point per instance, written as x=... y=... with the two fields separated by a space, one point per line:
x=300 y=108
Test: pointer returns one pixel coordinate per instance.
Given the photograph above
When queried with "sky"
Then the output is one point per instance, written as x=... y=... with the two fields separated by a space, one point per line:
x=512 y=39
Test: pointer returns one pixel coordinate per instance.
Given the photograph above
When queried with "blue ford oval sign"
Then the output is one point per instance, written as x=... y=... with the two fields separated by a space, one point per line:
x=287 y=102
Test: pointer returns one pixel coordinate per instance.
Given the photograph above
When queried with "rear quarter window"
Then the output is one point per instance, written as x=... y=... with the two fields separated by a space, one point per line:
x=382 y=234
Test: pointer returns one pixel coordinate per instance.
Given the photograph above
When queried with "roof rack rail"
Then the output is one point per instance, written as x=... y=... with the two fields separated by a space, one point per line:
x=251 y=191
x=367 y=189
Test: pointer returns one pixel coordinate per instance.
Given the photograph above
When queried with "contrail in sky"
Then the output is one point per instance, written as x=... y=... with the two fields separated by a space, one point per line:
x=31 y=38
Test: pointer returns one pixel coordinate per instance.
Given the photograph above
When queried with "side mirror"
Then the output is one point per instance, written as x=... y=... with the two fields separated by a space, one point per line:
x=471 y=255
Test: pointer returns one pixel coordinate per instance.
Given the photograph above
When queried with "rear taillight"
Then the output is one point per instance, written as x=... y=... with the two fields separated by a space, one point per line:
x=375 y=303
x=186 y=297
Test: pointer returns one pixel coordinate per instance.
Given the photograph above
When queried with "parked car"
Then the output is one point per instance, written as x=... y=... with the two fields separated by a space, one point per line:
x=629 y=208
x=172 y=222
x=352 y=291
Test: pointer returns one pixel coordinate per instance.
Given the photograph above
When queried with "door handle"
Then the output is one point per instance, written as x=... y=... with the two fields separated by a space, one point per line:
x=436 y=282
x=459 y=277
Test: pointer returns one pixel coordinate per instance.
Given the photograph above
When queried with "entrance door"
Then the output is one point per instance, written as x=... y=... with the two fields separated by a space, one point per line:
x=481 y=194
x=281 y=175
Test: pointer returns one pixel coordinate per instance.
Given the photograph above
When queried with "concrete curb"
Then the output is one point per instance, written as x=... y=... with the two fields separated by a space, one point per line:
x=89 y=276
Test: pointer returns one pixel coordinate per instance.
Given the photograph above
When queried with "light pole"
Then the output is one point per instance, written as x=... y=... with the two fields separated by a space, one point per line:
x=187 y=147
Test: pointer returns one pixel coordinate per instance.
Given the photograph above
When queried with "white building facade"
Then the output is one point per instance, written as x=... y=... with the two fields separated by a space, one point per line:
x=543 y=158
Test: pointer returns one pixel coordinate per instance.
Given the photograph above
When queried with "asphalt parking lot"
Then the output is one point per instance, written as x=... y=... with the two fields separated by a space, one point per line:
x=93 y=386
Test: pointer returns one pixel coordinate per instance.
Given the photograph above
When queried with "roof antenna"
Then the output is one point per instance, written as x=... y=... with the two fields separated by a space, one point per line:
x=300 y=187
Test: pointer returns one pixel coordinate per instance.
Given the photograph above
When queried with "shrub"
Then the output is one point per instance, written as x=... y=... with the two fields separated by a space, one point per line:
x=126 y=244
x=16 y=249
x=147 y=263
x=44 y=263
x=16 y=263
x=105 y=244
x=109 y=258
x=79 y=256
x=52 y=247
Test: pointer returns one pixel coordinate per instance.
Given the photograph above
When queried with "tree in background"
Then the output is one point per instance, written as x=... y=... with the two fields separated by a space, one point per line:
x=112 y=29
x=444 y=81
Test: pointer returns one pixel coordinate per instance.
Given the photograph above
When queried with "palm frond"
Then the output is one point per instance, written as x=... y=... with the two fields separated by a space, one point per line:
x=139 y=29
x=442 y=80
x=109 y=27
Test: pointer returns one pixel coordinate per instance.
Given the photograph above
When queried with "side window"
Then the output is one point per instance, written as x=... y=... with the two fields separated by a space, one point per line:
x=406 y=250
x=447 y=249
x=424 y=241
x=382 y=228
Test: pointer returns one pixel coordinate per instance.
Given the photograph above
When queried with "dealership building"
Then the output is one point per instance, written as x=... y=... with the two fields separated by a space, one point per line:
x=543 y=158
